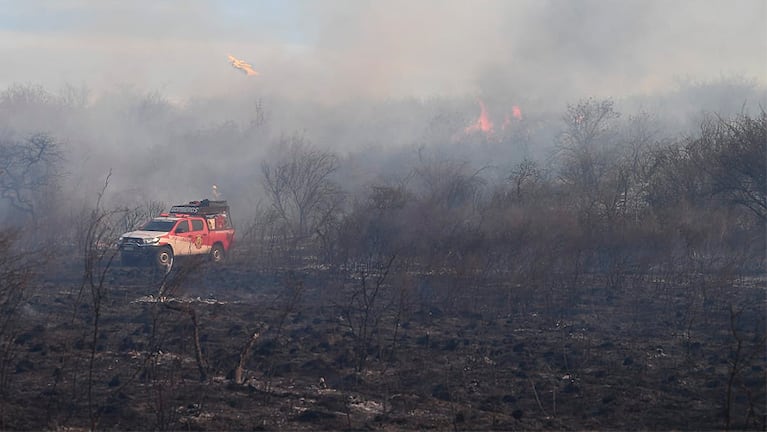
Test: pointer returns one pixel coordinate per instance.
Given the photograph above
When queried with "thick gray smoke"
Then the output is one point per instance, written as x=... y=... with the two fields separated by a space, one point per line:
x=340 y=49
x=145 y=89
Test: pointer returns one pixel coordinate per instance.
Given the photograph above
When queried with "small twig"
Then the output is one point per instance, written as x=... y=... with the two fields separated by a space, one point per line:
x=238 y=378
x=537 y=399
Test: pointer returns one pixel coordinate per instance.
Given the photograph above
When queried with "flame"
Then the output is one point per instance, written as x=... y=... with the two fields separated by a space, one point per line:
x=242 y=65
x=516 y=112
x=483 y=123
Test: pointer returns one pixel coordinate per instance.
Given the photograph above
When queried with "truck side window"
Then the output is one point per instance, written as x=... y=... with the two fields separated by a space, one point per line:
x=196 y=225
x=182 y=227
x=221 y=221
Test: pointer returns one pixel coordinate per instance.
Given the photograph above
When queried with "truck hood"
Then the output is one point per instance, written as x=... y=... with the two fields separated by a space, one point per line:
x=144 y=234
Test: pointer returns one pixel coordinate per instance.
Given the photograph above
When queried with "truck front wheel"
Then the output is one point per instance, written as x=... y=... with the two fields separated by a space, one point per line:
x=217 y=253
x=165 y=258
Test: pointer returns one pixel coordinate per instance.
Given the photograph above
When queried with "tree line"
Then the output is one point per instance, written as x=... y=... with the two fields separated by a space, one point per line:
x=613 y=198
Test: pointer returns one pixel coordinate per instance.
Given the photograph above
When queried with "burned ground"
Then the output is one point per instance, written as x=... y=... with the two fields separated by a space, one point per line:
x=658 y=351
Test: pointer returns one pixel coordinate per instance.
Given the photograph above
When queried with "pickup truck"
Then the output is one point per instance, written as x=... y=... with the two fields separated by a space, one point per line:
x=197 y=228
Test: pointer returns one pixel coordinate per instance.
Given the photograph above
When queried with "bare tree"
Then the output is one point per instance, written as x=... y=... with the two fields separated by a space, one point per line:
x=585 y=149
x=734 y=155
x=525 y=177
x=74 y=96
x=27 y=169
x=135 y=216
x=367 y=305
x=20 y=96
x=449 y=195
x=377 y=225
x=450 y=184
x=587 y=122
x=300 y=187
x=631 y=172
x=98 y=256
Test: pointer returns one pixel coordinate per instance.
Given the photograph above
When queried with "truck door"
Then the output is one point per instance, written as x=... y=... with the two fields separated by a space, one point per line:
x=182 y=238
x=200 y=238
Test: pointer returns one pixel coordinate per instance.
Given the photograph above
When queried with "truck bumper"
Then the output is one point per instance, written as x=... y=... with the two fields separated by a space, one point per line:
x=135 y=255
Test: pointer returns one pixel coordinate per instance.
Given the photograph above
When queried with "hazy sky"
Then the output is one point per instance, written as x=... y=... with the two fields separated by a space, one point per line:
x=338 y=49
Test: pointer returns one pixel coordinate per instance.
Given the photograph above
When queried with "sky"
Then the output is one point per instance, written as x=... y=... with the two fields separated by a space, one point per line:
x=333 y=50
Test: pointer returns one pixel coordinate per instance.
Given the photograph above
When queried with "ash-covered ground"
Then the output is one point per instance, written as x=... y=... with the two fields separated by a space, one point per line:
x=331 y=349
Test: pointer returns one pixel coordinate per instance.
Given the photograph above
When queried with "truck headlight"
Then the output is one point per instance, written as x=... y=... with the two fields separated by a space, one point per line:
x=153 y=240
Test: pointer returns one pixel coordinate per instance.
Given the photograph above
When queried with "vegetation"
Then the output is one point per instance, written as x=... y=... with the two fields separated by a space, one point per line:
x=621 y=268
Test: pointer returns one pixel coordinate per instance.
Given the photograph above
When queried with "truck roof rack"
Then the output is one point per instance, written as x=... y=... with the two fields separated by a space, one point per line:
x=202 y=207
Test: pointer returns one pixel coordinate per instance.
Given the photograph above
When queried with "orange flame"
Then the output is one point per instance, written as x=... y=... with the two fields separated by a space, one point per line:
x=516 y=112
x=483 y=123
x=242 y=65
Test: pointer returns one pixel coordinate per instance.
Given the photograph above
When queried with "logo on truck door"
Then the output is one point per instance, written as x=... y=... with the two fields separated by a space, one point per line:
x=198 y=242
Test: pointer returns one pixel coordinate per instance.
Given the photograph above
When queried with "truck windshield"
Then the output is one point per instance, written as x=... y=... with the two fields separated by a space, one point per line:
x=158 y=225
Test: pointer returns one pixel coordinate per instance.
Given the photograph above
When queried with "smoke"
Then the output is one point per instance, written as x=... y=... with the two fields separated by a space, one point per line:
x=551 y=50
x=343 y=49
x=146 y=88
